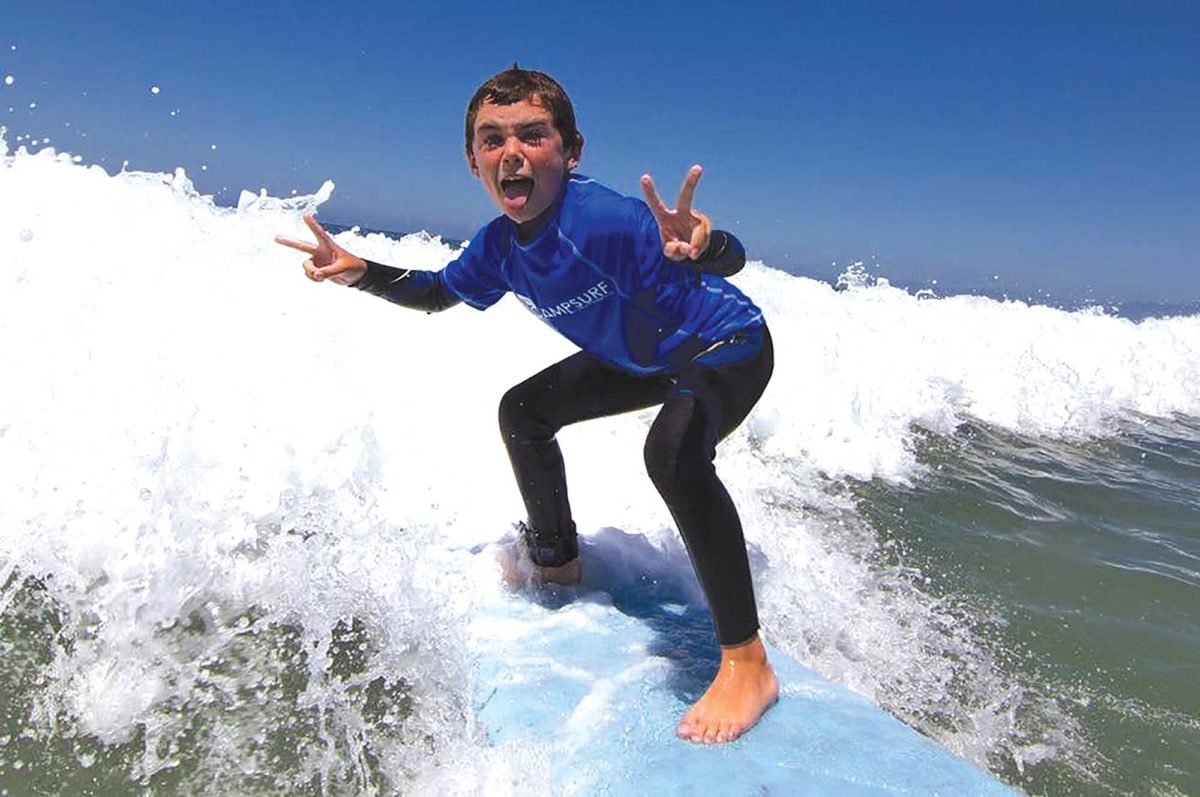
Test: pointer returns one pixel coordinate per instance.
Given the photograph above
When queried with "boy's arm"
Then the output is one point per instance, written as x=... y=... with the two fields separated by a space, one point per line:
x=419 y=290
x=725 y=255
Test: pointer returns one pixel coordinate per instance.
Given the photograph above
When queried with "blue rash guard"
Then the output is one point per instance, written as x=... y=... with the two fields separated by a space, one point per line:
x=597 y=274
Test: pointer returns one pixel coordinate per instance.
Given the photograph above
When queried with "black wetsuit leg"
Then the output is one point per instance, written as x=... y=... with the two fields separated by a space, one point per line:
x=579 y=388
x=711 y=397
x=701 y=405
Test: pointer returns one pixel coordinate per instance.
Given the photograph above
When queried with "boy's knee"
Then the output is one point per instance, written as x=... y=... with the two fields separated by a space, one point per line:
x=520 y=417
x=660 y=459
x=512 y=411
x=662 y=453
x=678 y=454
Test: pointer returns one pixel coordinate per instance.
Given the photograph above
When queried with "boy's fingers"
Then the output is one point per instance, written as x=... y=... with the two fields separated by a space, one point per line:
x=331 y=269
x=317 y=229
x=652 y=198
x=676 y=250
x=321 y=272
x=684 y=205
x=296 y=243
x=701 y=234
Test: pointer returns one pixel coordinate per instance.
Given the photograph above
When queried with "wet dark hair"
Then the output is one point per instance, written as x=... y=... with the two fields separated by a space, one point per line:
x=516 y=85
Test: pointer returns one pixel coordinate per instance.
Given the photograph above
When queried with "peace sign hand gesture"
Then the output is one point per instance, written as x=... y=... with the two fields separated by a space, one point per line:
x=326 y=259
x=685 y=232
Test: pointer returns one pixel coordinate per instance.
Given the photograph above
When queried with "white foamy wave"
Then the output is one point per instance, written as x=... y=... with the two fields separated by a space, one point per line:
x=203 y=449
x=857 y=369
x=199 y=473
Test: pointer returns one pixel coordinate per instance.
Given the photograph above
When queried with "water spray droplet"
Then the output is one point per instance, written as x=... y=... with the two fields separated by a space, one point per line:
x=154 y=89
x=9 y=80
x=26 y=235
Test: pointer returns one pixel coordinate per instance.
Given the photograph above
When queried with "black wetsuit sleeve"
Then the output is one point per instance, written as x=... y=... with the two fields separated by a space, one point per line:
x=419 y=290
x=725 y=255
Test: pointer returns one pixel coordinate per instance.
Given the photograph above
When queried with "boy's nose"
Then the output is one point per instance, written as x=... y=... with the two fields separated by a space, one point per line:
x=512 y=148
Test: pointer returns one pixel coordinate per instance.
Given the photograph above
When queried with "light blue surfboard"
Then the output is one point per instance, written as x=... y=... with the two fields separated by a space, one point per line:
x=601 y=673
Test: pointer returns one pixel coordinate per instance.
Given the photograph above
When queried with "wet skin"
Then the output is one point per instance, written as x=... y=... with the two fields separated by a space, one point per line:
x=518 y=155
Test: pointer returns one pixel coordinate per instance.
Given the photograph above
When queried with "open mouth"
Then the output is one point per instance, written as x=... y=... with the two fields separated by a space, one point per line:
x=516 y=190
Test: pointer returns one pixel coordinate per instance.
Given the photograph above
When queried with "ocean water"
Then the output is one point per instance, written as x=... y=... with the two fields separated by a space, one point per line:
x=238 y=507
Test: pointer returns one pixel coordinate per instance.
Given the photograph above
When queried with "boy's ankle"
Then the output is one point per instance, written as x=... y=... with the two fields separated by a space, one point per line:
x=752 y=650
x=550 y=550
x=567 y=574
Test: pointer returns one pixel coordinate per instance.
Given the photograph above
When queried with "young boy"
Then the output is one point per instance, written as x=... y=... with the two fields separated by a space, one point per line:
x=640 y=290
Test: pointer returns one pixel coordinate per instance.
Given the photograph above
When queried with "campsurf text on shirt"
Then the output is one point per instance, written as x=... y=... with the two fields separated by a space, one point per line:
x=597 y=293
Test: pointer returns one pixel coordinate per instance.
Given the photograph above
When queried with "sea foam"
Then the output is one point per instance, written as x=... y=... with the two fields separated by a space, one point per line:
x=202 y=448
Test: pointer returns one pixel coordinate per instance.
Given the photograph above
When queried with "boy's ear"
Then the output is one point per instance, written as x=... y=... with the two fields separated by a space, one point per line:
x=575 y=152
x=472 y=165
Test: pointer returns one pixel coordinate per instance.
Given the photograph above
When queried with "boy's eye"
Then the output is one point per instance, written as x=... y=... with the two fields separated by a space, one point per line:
x=492 y=141
x=533 y=136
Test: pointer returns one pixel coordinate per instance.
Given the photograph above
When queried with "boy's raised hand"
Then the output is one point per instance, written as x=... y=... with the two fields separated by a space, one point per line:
x=685 y=232
x=326 y=259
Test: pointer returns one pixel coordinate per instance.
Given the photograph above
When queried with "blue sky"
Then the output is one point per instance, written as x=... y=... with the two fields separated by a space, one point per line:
x=1043 y=146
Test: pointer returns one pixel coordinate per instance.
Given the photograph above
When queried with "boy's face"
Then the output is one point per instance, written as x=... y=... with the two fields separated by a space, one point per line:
x=517 y=154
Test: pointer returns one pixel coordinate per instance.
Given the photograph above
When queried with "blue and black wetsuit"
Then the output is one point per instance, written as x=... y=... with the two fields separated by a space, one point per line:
x=652 y=331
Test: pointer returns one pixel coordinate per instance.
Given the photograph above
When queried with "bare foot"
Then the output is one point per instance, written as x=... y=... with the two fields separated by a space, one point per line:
x=744 y=688
x=518 y=570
